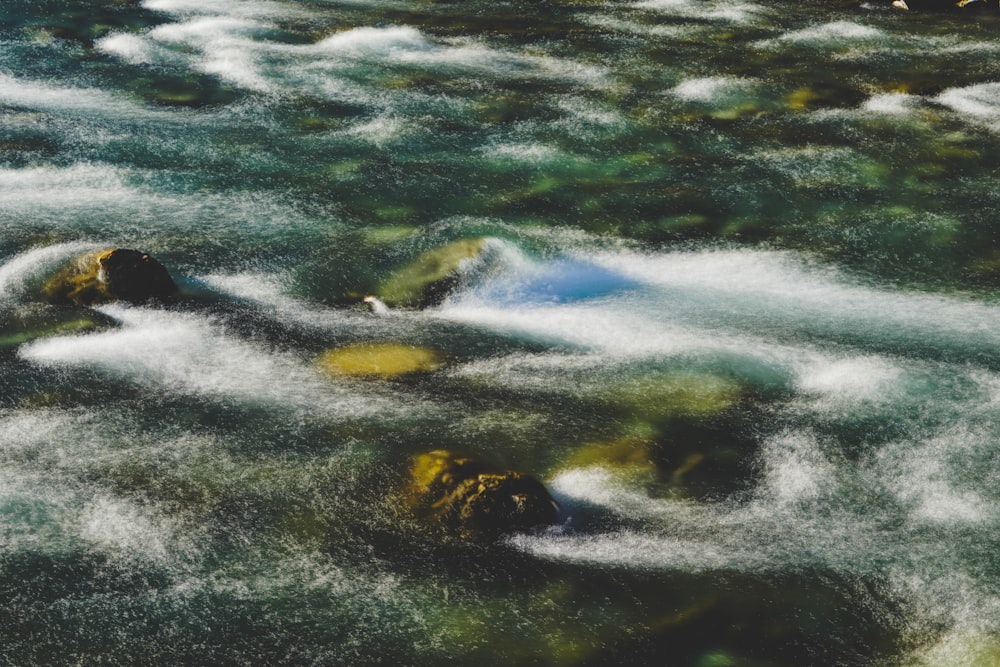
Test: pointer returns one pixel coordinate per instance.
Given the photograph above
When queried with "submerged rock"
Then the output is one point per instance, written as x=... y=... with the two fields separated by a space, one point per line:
x=29 y=322
x=381 y=360
x=427 y=280
x=474 y=500
x=114 y=274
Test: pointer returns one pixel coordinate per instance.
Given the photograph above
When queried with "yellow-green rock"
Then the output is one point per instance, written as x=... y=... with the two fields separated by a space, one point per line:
x=634 y=455
x=28 y=322
x=658 y=395
x=427 y=280
x=474 y=500
x=379 y=360
x=115 y=274
x=969 y=648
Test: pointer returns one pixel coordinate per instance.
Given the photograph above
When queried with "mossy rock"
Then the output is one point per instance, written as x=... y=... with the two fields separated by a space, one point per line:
x=473 y=500
x=115 y=274
x=969 y=648
x=29 y=322
x=428 y=279
x=379 y=360
x=706 y=458
x=658 y=395
x=688 y=456
x=632 y=457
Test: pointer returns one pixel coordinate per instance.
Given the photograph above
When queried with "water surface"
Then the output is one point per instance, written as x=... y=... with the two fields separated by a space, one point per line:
x=735 y=308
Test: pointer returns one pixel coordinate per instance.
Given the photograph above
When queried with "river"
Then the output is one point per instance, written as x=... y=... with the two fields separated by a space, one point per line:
x=732 y=301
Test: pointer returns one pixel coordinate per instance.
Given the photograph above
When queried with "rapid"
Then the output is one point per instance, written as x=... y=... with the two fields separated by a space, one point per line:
x=733 y=303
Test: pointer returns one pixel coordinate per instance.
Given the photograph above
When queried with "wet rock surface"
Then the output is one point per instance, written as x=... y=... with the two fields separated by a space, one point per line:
x=114 y=274
x=379 y=360
x=474 y=500
x=428 y=279
x=28 y=322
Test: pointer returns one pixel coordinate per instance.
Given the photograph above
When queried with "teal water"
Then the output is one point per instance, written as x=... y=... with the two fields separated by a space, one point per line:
x=735 y=308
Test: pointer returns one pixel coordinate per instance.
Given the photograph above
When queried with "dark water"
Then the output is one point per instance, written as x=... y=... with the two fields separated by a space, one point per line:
x=735 y=308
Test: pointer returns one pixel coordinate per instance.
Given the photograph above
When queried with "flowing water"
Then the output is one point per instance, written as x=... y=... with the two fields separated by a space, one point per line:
x=734 y=308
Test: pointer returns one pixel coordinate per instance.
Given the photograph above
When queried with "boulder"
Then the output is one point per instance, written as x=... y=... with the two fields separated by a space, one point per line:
x=474 y=500
x=114 y=274
x=428 y=279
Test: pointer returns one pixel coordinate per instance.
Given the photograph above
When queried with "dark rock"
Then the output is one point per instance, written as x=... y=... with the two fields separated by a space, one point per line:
x=473 y=500
x=115 y=274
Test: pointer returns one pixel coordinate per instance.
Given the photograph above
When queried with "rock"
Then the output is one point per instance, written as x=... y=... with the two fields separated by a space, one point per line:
x=381 y=360
x=474 y=500
x=31 y=321
x=115 y=274
x=426 y=280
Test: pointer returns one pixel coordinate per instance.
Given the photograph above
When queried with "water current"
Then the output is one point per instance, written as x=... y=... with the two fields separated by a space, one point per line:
x=734 y=306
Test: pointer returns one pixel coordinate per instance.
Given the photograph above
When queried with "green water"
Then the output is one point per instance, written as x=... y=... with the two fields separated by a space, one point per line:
x=734 y=307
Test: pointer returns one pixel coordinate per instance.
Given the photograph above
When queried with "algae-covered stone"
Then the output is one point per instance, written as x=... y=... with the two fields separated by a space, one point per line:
x=970 y=648
x=427 y=280
x=661 y=394
x=115 y=274
x=475 y=500
x=28 y=322
x=633 y=456
x=382 y=360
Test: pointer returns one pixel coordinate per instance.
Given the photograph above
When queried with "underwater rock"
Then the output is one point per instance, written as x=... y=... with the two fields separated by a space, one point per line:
x=474 y=500
x=686 y=456
x=381 y=360
x=706 y=458
x=114 y=274
x=28 y=322
x=426 y=280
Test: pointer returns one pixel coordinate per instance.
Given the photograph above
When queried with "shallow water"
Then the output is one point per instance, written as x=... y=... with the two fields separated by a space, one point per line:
x=734 y=308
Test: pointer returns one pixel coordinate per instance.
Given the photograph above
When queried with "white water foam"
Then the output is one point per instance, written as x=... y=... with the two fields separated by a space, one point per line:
x=758 y=316
x=81 y=185
x=257 y=9
x=835 y=34
x=780 y=287
x=270 y=293
x=834 y=166
x=116 y=204
x=658 y=321
x=21 y=271
x=383 y=131
x=48 y=457
x=123 y=528
x=893 y=104
x=935 y=479
x=89 y=103
x=189 y=354
x=715 y=89
x=770 y=534
x=611 y=22
x=591 y=113
x=980 y=101
x=530 y=153
x=733 y=12
x=239 y=50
